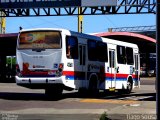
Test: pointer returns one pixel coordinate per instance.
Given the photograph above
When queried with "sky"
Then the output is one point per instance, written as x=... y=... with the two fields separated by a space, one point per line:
x=91 y=24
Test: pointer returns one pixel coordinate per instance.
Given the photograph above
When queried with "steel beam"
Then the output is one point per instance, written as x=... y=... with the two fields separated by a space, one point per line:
x=68 y=7
x=21 y=4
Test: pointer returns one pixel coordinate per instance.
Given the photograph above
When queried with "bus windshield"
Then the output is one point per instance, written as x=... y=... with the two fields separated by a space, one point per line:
x=40 y=40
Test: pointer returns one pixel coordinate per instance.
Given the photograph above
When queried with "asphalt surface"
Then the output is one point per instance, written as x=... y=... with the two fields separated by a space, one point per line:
x=26 y=104
x=148 y=80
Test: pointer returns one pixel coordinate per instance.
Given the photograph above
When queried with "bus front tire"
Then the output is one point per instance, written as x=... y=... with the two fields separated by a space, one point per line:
x=129 y=86
x=53 y=92
x=82 y=92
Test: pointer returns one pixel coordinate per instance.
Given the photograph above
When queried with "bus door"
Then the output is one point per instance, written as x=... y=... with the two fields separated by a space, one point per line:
x=137 y=70
x=112 y=70
x=82 y=64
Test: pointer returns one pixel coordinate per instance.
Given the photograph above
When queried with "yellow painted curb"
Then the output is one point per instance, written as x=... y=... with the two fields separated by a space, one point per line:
x=109 y=101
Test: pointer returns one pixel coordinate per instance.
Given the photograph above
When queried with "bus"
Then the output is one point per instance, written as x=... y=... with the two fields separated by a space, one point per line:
x=58 y=59
x=10 y=67
x=148 y=64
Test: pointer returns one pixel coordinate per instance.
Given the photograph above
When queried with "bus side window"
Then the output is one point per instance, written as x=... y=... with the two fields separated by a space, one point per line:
x=129 y=54
x=92 y=51
x=121 y=54
x=102 y=52
x=71 y=47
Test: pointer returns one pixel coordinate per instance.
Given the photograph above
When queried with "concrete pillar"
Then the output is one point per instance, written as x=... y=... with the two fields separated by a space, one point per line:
x=158 y=61
x=147 y=61
x=2 y=68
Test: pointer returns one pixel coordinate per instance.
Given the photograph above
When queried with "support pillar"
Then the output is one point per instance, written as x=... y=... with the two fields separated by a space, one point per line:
x=157 y=60
x=2 y=68
x=147 y=62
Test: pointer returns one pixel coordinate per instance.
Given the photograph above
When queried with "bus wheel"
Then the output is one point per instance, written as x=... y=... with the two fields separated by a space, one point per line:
x=82 y=92
x=54 y=92
x=48 y=92
x=129 y=86
x=93 y=91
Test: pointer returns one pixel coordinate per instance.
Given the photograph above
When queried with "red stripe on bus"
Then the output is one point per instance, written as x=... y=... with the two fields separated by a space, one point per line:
x=37 y=72
x=72 y=73
x=117 y=75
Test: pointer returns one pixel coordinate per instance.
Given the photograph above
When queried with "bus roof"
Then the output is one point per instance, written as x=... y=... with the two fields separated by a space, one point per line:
x=42 y=29
x=68 y=32
x=117 y=42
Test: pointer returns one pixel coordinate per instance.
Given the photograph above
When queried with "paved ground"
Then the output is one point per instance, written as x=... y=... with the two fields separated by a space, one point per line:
x=26 y=104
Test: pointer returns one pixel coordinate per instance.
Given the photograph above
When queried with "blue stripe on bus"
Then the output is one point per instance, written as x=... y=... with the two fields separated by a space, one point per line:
x=75 y=78
x=117 y=79
x=69 y=77
x=107 y=78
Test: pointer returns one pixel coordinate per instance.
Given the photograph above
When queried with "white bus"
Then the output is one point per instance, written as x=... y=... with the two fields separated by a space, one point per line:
x=57 y=59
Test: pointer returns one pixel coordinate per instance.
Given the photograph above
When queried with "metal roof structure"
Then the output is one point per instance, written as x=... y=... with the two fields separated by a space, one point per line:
x=22 y=8
x=145 y=43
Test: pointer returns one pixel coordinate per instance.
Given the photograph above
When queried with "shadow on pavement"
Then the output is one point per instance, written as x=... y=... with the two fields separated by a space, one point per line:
x=139 y=96
x=32 y=96
x=101 y=95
